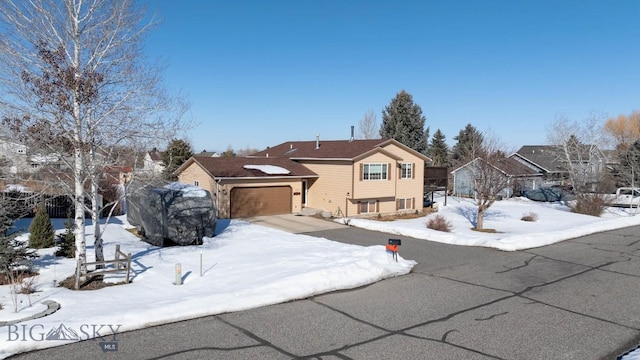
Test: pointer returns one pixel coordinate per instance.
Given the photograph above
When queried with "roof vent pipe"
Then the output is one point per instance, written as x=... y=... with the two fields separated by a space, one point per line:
x=351 y=139
x=317 y=141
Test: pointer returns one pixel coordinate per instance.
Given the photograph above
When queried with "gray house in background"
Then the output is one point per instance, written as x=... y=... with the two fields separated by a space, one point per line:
x=520 y=178
x=545 y=160
x=549 y=161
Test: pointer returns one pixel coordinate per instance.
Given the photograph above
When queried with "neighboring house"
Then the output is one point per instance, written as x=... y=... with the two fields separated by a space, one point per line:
x=343 y=177
x=550 y=161
x=13 y=157
x=205 y=153
x=112 y=187
x=152 y=164
x=16 y=159
x=517 y=176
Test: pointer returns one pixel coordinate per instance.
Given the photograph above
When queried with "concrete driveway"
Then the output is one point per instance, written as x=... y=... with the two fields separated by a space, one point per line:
x=295 y=224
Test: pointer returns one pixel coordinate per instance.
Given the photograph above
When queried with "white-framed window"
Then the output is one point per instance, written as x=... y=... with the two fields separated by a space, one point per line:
x=406 y=171
x=404 y=204
x=21 y=151
x=367 y=207
x=375 y=171
x=196 y=183
x=35 y=165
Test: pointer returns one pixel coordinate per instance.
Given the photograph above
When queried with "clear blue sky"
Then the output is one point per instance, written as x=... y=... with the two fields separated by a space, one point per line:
x=259 y=73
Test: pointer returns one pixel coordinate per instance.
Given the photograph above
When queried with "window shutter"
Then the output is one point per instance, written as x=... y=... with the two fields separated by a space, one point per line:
x=397 y=204
x=361 y=175
x=413 y=170
x=399 y=171
x=359 y=207
x=389 y=171
x=413 y=203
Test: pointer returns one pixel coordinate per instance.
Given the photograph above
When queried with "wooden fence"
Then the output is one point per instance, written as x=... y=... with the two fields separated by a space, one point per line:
x=122 y=262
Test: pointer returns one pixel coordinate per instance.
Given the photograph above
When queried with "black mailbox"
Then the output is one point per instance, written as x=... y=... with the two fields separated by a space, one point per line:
x=395 y=242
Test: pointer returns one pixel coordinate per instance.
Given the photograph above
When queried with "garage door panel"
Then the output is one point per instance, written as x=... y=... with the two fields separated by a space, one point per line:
x=259 y=201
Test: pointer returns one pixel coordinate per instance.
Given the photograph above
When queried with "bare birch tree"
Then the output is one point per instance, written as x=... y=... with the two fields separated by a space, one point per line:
x=579 y=150
x=368 y=126
x=74 y=82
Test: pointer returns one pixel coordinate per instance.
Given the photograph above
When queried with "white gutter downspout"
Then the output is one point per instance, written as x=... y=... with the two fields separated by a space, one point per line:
x=217 y=198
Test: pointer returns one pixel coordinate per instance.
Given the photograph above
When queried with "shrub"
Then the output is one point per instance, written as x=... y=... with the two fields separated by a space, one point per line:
x=41 y=233
x=14 y=252
x=67 y=241
x=439 y=223
x=589 y=204
x=530 y=216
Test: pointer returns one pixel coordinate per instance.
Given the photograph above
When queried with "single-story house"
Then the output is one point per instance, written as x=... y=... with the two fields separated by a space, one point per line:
x=551 y=162
x=341 y=177
x=517 y=176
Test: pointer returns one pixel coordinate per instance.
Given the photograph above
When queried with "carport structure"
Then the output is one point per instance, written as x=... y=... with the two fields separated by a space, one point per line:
x=247 y=187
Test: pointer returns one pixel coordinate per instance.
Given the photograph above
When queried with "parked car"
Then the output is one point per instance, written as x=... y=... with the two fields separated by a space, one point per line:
x=625 y=196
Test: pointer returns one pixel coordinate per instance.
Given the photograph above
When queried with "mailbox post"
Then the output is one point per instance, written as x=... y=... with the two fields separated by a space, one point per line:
x=393 y=247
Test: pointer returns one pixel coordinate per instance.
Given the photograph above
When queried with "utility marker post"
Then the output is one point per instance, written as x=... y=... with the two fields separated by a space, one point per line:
x=178 y=274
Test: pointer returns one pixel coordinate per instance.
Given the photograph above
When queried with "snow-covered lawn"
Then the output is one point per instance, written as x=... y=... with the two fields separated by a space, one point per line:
x=246 y=266
x=555 y=223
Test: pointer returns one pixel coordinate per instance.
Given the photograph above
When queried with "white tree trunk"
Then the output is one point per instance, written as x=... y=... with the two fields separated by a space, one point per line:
x=95 y=218
x=79 y=230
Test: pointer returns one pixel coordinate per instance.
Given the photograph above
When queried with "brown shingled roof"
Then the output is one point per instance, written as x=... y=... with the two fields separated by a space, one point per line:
x=327 y=149
x=234 y=167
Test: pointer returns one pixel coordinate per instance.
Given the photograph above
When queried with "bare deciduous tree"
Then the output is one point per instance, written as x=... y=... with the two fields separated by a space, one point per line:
x=368 y=126
x=492 y=174
x=624 y=129
x=579 y=150
x=74 y=82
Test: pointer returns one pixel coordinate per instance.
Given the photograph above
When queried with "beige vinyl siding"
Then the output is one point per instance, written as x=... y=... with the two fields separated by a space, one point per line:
x=340 y=183
x=329 y=191
x=375 y=189
x=195 y=173
x=414 y=187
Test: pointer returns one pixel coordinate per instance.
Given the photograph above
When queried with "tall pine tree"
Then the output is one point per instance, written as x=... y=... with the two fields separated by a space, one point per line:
x=468 y=146
x=402 y=120
x=439 y=150
x=176 y=154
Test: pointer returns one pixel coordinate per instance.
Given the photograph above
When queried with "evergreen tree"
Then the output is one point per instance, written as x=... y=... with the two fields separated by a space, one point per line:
x=13 y=252
x=402 y=120
x=41 y=233
x=468 y=146
x=66 y=240
x=229 y=152
x=439 y=150
x=176 y=154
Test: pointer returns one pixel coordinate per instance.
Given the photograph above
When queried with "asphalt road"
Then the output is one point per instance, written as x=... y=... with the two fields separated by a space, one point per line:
x=578 y=299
